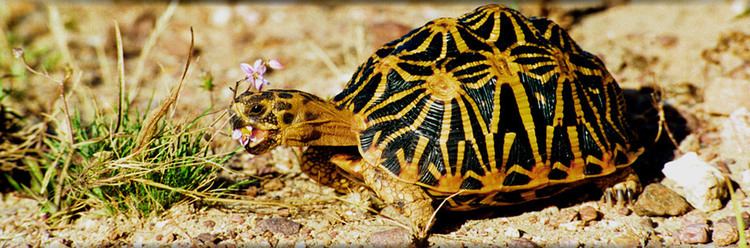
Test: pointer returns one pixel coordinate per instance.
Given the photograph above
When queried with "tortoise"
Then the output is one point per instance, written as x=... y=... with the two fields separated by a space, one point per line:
x=488 y=109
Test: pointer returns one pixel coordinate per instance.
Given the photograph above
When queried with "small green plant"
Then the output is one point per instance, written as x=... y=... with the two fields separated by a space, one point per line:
x=125 y=161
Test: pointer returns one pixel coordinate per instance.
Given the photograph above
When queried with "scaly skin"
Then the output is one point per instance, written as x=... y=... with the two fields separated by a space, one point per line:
x=317 y=164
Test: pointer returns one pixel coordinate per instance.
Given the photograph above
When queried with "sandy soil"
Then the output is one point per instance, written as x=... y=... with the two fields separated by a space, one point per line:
x=321 y=45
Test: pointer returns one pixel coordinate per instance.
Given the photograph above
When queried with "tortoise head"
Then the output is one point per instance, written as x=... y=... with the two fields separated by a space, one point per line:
x=267 y=119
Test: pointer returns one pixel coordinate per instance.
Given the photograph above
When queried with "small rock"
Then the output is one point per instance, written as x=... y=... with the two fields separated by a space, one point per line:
x=207 y=238
x=658 y=200
x=626 y=240
x=512 y=233
x=724 y=234
x=522 y=243
x=279 y=225
x=209 y=223
x=533 y=219
x=702 y=185
x=396 y=237
x=251 y=191
x=694 y=217
x=237 y=219
x=694 y=234
x=588 y=214
x=733 y=221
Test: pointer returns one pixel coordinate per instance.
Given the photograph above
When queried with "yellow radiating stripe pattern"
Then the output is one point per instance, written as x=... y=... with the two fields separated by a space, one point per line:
x=492 y=103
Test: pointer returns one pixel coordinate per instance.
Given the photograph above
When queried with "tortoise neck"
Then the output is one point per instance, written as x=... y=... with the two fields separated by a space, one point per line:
x=321 y=123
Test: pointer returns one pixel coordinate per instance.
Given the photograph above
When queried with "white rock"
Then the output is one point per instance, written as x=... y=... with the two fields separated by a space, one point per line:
x=512 y=233
x=702 y=185
x=735 y=146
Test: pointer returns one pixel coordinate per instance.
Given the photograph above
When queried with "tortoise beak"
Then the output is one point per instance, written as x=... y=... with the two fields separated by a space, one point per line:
x=255 y=140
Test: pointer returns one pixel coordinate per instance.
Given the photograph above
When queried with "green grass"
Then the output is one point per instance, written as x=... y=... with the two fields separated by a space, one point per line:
x=121 y=159
x=109 y=169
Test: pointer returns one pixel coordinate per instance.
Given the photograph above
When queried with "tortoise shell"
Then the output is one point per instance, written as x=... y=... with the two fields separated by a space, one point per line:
x=501 y=107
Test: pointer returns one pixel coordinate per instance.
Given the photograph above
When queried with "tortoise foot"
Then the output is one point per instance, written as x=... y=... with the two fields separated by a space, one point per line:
x=623 y=193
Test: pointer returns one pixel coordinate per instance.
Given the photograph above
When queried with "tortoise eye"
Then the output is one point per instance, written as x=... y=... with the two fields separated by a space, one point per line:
x=257 y=109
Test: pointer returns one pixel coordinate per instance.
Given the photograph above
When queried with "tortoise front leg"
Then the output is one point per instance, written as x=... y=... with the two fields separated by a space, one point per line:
x=317 y=164
x=408 y=199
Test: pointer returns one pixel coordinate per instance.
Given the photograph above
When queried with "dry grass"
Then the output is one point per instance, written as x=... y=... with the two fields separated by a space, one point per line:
x=122 y=161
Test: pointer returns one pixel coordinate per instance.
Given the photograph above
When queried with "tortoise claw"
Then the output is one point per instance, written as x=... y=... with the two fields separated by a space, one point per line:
x=623 y=193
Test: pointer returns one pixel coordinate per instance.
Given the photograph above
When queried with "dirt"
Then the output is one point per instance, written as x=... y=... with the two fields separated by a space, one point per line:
x=668 y=45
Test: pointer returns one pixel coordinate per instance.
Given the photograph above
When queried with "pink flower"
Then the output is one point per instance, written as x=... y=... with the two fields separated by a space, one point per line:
x=254 y=73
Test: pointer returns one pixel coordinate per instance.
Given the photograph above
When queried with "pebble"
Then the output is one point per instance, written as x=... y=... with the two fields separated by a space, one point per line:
x=207 y=238
x=702 y=185
x=512 y=233
x=284 y=212
x=522 y=243
x=588 y=214
x=237 y=219
x=658 y=200
x=251 y=191
x=733 y=221
x=724 y=234
x=396 y=237
x=694 y=217
x=694 y=234
x=626 y=240
x=279 y=225
x=209 y=223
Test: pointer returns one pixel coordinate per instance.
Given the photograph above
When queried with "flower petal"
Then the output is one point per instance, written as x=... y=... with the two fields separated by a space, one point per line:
x=261 y=70
x=257 y=64
x=247 y=69
x=275 y=64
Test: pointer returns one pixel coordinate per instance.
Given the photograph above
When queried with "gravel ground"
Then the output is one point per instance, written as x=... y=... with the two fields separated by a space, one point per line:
x=663 y=44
